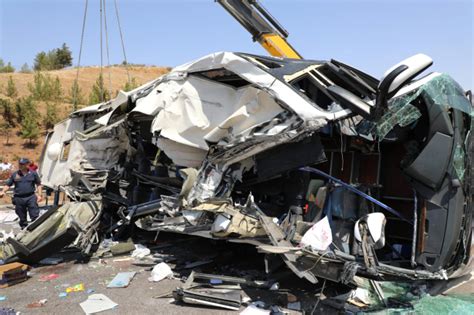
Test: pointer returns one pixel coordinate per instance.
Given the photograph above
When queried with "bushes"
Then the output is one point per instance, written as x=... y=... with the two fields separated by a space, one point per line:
x=11 y=88
x=55 y=59
x=45 y=88
x=7 y=111
x=6 y=68
x=130 y=85
x=25 y=68
x=51 y=117
x=29 y=127
x=99 y=93
x=75 y=96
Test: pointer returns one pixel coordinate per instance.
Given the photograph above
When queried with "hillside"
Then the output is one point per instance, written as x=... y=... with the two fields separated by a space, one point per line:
x=87 y=77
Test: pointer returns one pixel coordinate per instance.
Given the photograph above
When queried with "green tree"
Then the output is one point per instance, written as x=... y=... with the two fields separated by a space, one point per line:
x=25 y=68
x=45 y=88
x=11 y=88
x=51 y=117
x=5 y=130
x=29 y=127
x=41 y=61
x=56 y=90
x=75 y=96
x=54 y=59
x=130 y=85
x=7 y=111
x=99 y=93
x=64 y=56
x=6 y=68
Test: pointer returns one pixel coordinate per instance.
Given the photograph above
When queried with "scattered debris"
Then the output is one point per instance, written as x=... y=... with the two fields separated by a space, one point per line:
x=8 y=311
x=3 y=297
x=222 y=298
x=140 y=251
x=96 y=303
x=37 y=304
x=62 y=294
x=48 y=277
x=254 y=309
x=12 y=274
x=76 y=288
x=160 y=272
x=121 y=280
x=51 y=261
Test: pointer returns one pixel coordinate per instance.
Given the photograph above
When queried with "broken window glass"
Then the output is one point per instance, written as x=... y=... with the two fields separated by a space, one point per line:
x=458 y=161
x=398 y=114
x=443 y=91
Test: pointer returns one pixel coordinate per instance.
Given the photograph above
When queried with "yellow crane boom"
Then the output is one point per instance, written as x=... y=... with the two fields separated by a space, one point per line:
x=264 y=28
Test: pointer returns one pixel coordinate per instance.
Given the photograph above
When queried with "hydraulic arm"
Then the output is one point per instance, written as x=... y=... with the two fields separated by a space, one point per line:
x=262 y=25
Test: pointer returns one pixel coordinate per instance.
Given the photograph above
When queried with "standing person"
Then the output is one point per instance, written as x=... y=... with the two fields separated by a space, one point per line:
x=33 y=167
x=24 y=198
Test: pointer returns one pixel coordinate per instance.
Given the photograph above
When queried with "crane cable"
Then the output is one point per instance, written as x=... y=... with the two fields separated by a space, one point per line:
x=76 y=82
x=103 y=15
x=101 y=78
x=121 y=39
x=107 y=48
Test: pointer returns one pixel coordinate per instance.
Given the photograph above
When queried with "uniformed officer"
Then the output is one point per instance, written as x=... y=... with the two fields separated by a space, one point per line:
x=27 y=184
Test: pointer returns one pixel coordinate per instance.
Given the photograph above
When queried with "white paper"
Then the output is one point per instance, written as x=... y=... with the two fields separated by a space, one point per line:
x=96 y=303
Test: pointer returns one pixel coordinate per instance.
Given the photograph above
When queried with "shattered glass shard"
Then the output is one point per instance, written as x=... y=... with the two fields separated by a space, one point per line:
x=441 y=90
x=458 y=161
x=398 y=114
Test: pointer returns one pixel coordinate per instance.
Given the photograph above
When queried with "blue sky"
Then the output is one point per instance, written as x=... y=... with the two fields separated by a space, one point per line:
x=369 y=34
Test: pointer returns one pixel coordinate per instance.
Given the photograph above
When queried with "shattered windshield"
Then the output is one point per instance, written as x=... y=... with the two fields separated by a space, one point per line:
x=443 y=91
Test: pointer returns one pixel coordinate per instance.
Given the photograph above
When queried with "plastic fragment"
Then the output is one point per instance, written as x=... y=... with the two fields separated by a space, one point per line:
x=160 y=272
x=77 y=288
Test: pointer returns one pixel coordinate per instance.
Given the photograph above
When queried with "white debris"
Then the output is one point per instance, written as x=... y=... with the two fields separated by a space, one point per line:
x=160 y=272
x=253 y=309
x=319 y=236
x=140 y=251
x=96 y=303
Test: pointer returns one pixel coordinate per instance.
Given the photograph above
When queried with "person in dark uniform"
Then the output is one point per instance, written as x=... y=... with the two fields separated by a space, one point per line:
x=27 y=184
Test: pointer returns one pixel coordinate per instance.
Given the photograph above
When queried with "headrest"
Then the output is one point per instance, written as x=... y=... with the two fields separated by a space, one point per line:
x=376 y=226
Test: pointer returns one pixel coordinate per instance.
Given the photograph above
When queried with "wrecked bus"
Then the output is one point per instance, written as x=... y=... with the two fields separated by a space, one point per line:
x=334 y=171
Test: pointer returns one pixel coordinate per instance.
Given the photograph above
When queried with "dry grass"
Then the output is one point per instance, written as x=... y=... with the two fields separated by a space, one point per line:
x=87 y=77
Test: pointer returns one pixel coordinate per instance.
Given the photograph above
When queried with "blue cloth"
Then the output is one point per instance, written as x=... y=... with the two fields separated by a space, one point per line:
x=25 y=184
x=25 y=205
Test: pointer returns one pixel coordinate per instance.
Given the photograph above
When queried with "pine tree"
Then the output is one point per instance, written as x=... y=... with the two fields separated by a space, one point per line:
x=51 y=117
x=7 y=109
x=11 y=88
x=29 y=124
x=5 y=130
x=75 y=96
x=56 y=90
x=63 y=57
x=6 y=69
x=25 y=68
x=40 y=62
x=130 y=85
x=99 y=93
x=29 y=128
